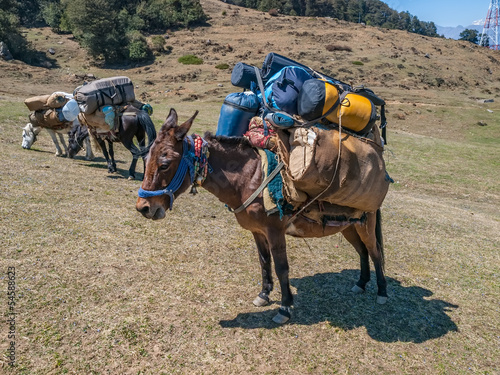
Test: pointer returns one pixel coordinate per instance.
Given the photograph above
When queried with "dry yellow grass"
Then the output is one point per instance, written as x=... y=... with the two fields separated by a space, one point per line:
x=102 y=290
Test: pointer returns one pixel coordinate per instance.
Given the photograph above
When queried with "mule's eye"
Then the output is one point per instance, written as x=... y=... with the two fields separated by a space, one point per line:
x=165 y=166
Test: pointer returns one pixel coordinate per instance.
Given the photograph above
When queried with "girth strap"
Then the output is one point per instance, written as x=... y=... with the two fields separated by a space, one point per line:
x=262 y=186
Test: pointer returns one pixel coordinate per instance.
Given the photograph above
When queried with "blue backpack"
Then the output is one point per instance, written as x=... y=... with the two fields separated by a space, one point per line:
x=282 y=89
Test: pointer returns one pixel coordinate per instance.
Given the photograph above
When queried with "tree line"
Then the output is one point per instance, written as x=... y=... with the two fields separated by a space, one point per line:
x=110 y=30
x=369 y=12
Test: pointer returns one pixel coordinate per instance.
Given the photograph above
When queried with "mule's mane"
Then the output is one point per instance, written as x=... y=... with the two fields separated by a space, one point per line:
x=240 y=142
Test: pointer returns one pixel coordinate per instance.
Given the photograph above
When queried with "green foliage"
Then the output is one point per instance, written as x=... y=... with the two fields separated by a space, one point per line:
x=28 y=11
x=10 y=33
x=159 y=15
x=138 y=50
x=357 y=63
x=371 y=12
x=52 y=14
x=190 y=60
x=470 y=35
x=222 y=66
x=158 y=43
x=95 y=24
x=106 y=28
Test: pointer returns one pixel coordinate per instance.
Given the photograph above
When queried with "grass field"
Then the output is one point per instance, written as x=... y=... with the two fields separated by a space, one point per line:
x=101 y=290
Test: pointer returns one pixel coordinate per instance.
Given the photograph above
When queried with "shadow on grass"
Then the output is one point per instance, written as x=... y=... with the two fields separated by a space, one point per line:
x=119 y=174
x=408 y=316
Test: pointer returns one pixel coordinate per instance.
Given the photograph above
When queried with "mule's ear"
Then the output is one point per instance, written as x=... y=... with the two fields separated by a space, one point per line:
x=181 y=131
x=170 y=122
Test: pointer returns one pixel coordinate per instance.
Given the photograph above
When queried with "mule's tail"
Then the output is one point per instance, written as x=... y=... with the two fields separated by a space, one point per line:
x=149 y=127
x=380 y=239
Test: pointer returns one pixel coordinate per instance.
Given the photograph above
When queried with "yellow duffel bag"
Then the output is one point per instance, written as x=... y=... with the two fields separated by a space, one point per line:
x=320 y=99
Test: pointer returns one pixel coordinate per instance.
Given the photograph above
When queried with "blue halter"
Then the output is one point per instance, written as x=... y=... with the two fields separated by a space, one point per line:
x=186 y=165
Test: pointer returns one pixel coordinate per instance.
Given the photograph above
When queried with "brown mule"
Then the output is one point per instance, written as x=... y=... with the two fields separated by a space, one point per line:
x=235 y=173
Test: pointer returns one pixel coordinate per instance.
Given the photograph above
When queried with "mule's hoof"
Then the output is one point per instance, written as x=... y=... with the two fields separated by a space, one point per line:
x=280 y=319
x=357 y=290
x=131 y=178
x=381 y=300
x=282 y=316
x=259 y=301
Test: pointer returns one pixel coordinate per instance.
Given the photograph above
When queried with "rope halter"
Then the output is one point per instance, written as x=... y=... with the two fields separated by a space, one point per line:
x=194 y=162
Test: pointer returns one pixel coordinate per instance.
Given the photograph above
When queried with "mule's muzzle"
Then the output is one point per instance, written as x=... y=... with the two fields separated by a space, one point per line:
x=28 y=140
x=148 y=210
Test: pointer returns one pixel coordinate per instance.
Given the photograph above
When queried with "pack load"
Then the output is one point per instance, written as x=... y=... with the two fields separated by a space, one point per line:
x=106 y=91
x=334 y=167
x=283 y=88
x=37 y=103
x=55 y=100
x=327 y=139
x=102 y=119
x=320 y=99
x=48 y=118
x=106 y=118
x=52 y=110
x=306 y=96
x=236 y=113
x=244 y=76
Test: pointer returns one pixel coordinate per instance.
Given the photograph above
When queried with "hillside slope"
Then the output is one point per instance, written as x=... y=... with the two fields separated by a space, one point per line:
x=408 y=70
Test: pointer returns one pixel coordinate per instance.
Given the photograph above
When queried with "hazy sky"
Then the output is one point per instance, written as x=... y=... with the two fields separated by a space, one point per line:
x=443 y=12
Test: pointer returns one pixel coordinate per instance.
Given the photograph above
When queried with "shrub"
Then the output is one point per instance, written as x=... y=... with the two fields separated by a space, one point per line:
x=222 y=66
x=190 y=60
x=336 y=47
x=158 y=43
x=138 y=50
x=273 y=12
x=357 y=63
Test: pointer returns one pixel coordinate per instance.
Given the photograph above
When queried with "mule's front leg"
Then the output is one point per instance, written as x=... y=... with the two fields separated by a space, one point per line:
x=112 y=164
x=277 y=244
x=63 y=142
x=104 y=150
x=52 y=134
x=265 y=264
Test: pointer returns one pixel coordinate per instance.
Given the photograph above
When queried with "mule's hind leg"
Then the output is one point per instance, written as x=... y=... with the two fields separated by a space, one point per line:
x=371 y=235
x=89 y=155
x=353 y=237
x=128 y=143
x=265 y=263
x=131 y=170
